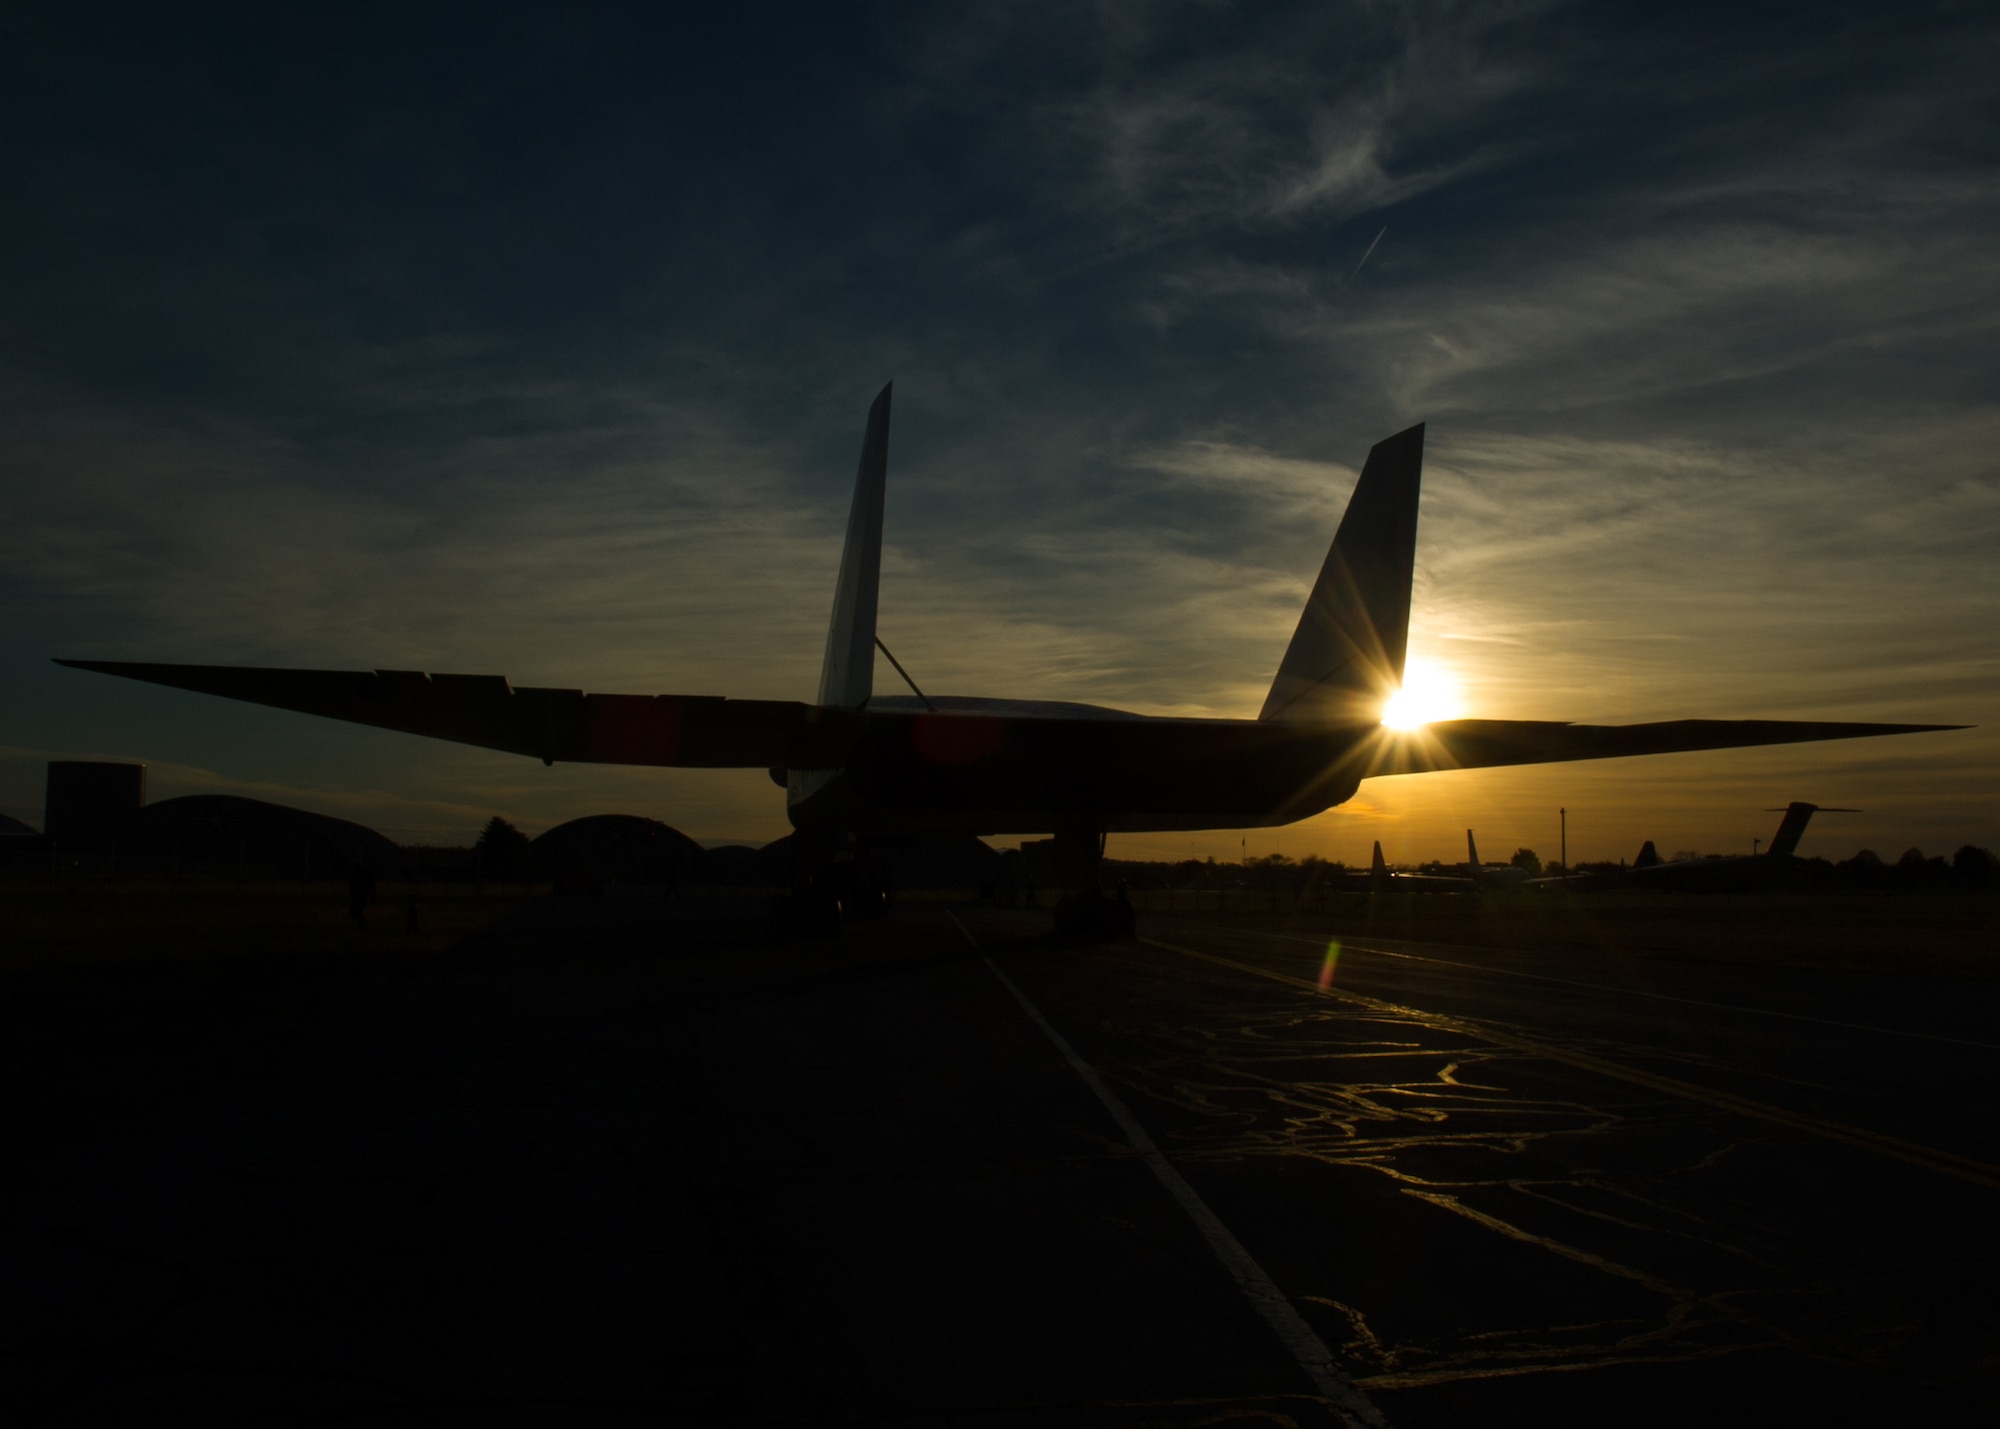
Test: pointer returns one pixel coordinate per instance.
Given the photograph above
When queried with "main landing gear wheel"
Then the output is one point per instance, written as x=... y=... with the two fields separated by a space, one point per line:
x=1093 y=918
x=809 y=914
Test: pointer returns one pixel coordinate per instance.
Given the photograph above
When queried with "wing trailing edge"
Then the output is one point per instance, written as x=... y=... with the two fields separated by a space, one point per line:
x=688 y=731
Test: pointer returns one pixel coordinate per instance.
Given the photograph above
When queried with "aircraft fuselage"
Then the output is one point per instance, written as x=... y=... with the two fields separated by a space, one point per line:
x=1008 y=772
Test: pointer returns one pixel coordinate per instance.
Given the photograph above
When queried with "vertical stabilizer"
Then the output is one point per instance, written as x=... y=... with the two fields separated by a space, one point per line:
x=847 y=677
x=1649 y=857
x=1346 y=657
x=1378 y=871
x=1792 y=828
x=1471 y=854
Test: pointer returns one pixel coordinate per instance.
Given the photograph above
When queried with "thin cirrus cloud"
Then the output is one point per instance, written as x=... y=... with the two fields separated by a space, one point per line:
x=544 y=350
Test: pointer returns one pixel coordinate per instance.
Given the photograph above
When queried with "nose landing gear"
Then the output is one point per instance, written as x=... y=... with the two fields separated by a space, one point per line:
x=833 y=880
x=809 y=913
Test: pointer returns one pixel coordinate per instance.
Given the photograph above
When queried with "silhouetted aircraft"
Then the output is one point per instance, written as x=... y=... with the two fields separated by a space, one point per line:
x=855 y=763
x=1472 y=875
x=1469 y=877
x=1380 y=878
x=1777 y=864
x=1490 y=875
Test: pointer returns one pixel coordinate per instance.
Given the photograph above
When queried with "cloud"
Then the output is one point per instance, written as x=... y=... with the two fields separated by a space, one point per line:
x=231 y=545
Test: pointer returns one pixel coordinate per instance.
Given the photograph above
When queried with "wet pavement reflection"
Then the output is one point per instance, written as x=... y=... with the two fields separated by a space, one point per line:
x=1449 y=1207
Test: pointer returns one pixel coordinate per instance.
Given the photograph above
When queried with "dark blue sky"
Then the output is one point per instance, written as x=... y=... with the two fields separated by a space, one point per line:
x=536 y=340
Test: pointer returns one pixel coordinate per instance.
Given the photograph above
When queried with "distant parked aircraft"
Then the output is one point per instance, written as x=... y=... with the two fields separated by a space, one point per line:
x=1380 y=878
x=1792 y=828
x=1491 y=875
x=1776 y=863
x=1471 y=876
x=854 y=762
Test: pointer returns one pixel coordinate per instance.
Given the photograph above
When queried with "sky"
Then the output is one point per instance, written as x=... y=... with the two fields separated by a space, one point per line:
x=537 y=340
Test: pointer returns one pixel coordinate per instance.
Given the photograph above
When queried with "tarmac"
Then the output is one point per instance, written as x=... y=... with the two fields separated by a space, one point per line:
x=635 y=1161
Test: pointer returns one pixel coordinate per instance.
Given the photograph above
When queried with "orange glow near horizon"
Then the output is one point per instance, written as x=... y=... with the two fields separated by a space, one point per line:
x=1430 y=692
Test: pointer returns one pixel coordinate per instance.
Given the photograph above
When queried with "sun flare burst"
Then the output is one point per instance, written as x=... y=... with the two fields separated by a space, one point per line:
x=1430 y=692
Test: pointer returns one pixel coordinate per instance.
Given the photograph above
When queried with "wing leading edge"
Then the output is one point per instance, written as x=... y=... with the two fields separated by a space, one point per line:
x=1495 y=743
x=690 y=731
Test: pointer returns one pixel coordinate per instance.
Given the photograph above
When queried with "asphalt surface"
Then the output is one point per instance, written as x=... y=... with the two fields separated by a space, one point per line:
x=627 y=1161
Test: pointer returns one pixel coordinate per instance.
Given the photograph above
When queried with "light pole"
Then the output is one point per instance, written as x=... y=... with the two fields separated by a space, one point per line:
x=1565 y=843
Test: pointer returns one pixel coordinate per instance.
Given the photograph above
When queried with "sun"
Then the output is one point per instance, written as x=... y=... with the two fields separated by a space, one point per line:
x=1430 y=692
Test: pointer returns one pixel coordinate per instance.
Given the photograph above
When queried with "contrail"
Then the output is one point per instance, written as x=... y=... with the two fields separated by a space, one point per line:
x=1364 y=257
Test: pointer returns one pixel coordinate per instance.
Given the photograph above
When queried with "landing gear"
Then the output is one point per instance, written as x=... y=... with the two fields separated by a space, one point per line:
x=1084 y=913
x=1093 y=918
x=862 y=885
x=833 y=880
x=812 y=908
x=809 y=914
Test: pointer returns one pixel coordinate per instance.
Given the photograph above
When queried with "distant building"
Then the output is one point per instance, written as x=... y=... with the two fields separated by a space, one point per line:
x=741 y=866
x=615 y=848
x=933 y=861
x=222 y=835
x=83 y=802
x=941 y=861
x=21 y=847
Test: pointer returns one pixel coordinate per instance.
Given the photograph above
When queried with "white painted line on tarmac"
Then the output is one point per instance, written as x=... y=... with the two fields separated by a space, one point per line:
x=1305 y=1346
x=1629 y=991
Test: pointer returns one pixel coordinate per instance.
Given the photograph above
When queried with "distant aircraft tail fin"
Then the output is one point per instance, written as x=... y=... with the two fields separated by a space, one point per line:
x=1378 y=871
x=1471 y=854
x=1792 y=828
x=1346 y=657
x=847 y=677
x=1648 y=856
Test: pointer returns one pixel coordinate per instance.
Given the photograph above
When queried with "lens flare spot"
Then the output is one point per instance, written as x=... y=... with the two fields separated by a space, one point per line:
x=1429 y=693
x=1326 y=968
